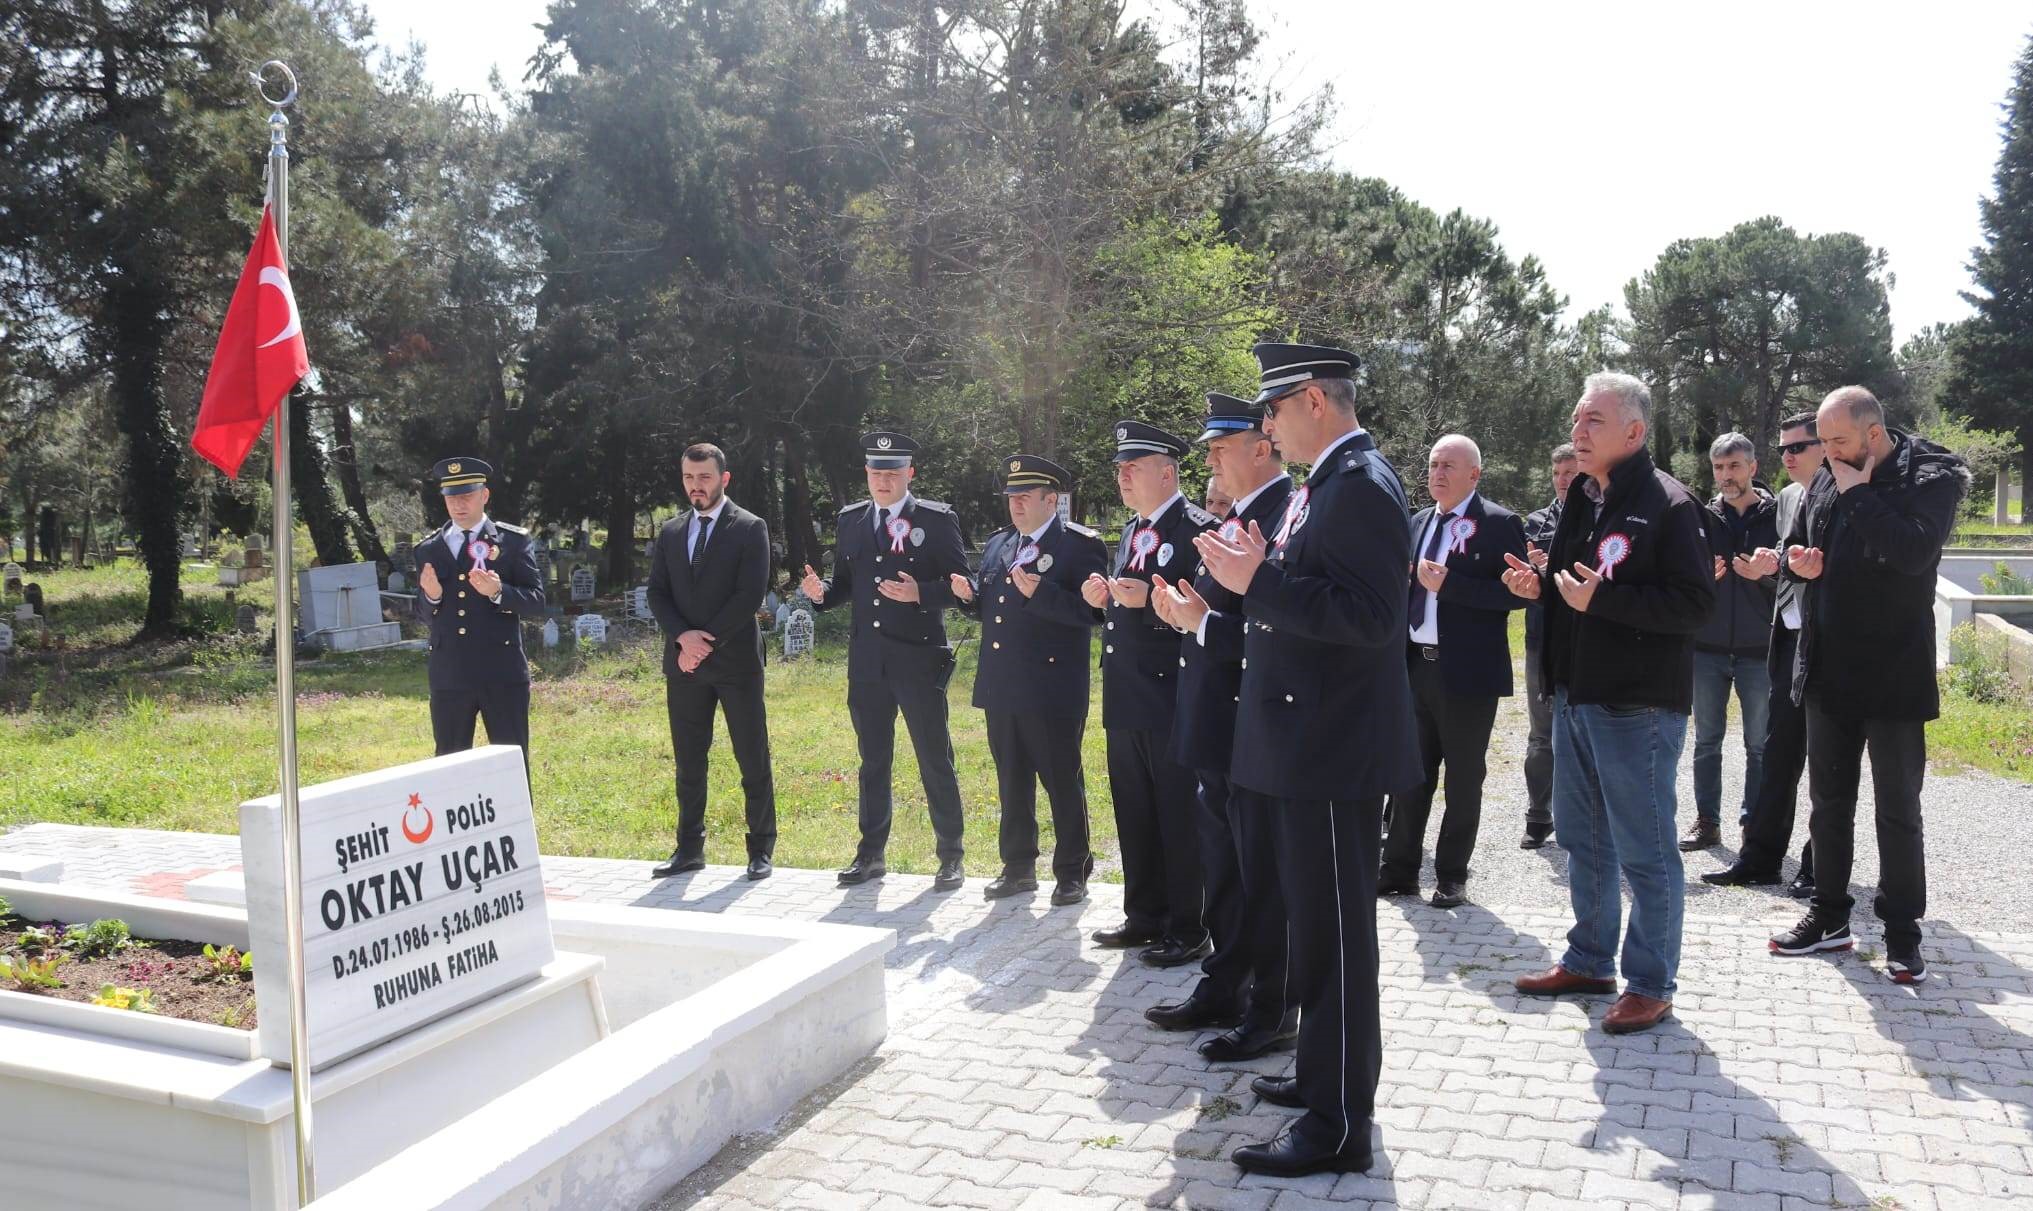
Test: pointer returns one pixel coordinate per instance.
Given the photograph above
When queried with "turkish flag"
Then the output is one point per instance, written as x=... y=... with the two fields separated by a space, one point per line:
x=260 y=357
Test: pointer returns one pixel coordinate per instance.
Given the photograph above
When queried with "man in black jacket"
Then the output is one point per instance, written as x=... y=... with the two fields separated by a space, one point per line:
x=1031 y=681
x=1730 y=650
x=488 y=570
x=1629 y=581
x=1769 y=831
x=1322 y=734
x=1458 y=657
x=1866 y=550
x=1153 y=794
x=893 y=560
x=1539 y=529
x=1242 y=983
x=707 y=574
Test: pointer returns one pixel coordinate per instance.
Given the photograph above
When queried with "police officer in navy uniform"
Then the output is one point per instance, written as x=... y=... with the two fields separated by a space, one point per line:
x=476 y=580
x=1153 y=794
x=893 y=562
x=1323 y=733
x=1031 y=680
x=1242 y=985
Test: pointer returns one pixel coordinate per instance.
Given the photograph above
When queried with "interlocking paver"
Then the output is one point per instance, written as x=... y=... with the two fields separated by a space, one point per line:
x=1019 y=1073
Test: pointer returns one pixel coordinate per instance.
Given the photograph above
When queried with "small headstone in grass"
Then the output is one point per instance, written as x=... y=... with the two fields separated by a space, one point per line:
x=798 y=634
x=251 y=556
x=398 y=583
x=6 y=638
x=589 y=628
x=190 y=547
x=243 y=620
x=638 y=604
x=10 y=577
x=582 y=583
x=404 y=554
x=24 y=613
x=550 y=632
x=31 y=599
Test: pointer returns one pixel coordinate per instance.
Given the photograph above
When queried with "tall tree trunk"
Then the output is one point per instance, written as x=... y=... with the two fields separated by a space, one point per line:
x=2026 y=473
x=620 y=518
x=801 y=536
x=312 y=487
x=345 y=459
x=155 y=470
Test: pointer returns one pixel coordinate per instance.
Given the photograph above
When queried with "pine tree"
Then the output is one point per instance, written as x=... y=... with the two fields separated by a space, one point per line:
x=1992 y=376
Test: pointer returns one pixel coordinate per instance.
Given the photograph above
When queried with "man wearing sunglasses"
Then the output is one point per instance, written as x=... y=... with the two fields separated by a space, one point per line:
x=1768 y=832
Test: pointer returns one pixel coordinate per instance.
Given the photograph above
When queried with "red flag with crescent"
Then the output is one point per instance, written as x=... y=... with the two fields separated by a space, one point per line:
x=260 y=357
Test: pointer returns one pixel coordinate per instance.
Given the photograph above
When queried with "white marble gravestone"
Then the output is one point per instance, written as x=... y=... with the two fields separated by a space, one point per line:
x=341 y=607
x=638 y=604
x=798 y=634
x=582 y=584
x=11 y=575
x=589 y=628
x=6 y=638
x=550 y=632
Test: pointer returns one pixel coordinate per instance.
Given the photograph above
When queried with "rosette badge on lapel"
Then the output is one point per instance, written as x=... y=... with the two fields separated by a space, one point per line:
x=1611 y=551
x=1459 y=531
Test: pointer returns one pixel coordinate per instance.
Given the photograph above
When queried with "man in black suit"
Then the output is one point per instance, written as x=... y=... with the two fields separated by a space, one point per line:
x=707 y=574
x=1242 y=984
x=1032 y=680
x=1459 y=658
x=893 y=561
x=477 y=668
x=1153 y=794
x=1323 y=733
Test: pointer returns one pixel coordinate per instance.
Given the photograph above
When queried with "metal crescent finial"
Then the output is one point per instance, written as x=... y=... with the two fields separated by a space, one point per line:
x=260 y=85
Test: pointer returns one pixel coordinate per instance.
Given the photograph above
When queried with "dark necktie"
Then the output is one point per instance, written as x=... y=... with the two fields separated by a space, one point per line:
x=881 y=525
x=466 y=547
x=1415 y=609
x=699 y=543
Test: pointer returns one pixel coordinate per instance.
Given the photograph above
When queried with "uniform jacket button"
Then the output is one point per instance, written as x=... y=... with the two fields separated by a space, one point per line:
x=1109 y=648
x=462 y=630
x=1182 y=662
x=999 y=599
x=462 y=576
x=1245 y=662
x=1048 y=659
x=998 y=618
x=1288 y=698
x=505 y=643
x=1111 y=626
x=877 y=623
x=462 y=613
x=997 y=645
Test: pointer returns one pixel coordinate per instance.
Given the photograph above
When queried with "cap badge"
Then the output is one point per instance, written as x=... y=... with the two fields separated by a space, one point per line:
x=1122 y=433
x=451 y=468
x=882 y=443
x=1015 y=465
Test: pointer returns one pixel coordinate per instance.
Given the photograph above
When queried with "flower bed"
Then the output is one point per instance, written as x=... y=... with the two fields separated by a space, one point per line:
x=100 y=963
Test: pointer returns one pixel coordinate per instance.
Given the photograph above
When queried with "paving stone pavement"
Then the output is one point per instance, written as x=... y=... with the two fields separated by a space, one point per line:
x=1019 y=1072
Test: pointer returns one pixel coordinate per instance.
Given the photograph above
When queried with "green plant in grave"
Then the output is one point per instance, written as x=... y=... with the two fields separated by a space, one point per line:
x=39 y=940
x=136 y=1000
x=2002 y=581
x=32 y=973
x=106 y=936
x=227 y=963
x=6 y=909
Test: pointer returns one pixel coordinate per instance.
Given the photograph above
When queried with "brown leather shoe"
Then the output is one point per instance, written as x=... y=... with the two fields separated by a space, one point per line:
x=1633 y=1013
x=1701 y=835
x=1560 y=982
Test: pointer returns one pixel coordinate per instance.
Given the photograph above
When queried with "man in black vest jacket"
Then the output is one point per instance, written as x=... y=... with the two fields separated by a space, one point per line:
x=1539 y=528
x=1731 y=649
x=1628 y=583
x=477 y=667
x=1866 y=549
x=1322 y=734
x=1031 y=680
x=1153 y=794
x=893 y=562
x=708 y=572
x=1242 y=983
x=1459 y=660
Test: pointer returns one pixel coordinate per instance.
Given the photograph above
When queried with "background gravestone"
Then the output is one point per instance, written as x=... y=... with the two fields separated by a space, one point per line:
x=10 y=577
x=243 y=620
x=589 y=628
x=6 y=638
x=798 y=634
x=582 y=584
x=31 y=599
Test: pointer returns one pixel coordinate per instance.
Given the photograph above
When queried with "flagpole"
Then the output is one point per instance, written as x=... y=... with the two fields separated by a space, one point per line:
x=285 y=673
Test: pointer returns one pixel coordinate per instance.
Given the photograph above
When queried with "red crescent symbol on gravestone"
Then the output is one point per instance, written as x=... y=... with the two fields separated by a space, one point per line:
x=417 y=836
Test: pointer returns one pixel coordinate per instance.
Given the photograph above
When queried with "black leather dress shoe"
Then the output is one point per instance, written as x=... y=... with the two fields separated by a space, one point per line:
x=1533 y=839
x=1278 y=1091
x=1801 y=888
x=1740 y=876
x=1450 y=895
x=1247 y=1043
x=677 y=864
x=950 y=875
x=1010 y=883
x=1286 y=1156
x=1069 y=891
x=861 y=871
x=1125 y=935
x=1172 y=953
x=1393 y=887
x=760 y=868
x=1193 y=1013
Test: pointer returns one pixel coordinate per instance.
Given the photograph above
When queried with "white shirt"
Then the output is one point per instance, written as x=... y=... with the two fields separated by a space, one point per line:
x=1426 y=628
x=1160 y=510
x=692 y=531
x=455 y=538
x=1320 y=459
x=875 y=516
x=1200 y=631
x=1037 y=534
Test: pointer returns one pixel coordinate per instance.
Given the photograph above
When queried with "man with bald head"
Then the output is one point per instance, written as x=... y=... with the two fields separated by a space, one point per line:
x=1458 y=655
x=1864 y=551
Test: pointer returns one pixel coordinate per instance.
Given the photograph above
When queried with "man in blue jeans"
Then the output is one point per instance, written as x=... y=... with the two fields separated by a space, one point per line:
x=1731 y=649
x=1628 y=583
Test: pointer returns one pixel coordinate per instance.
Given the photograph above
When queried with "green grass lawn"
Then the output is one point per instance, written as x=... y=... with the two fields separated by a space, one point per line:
x=176 y=734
